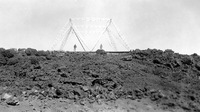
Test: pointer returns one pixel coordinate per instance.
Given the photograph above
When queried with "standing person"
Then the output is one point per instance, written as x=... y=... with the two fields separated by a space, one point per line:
x=101 y=46
x=75 y=47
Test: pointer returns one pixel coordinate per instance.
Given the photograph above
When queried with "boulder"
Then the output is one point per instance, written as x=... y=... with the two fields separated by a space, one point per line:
x=101 y=52
x=30 y=51
x=13 y=61
x=197 y=65
x=7 y=54
x=157 y=61
x=41 y=53
x=34 y=60
x=6 y=96
x=187 y=60
x=2 y=60
x=127 y=58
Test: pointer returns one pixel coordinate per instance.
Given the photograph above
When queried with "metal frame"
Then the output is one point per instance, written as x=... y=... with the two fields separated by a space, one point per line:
x=107 y=30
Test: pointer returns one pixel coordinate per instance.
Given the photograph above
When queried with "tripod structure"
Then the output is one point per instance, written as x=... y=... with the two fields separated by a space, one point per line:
x=108 y=28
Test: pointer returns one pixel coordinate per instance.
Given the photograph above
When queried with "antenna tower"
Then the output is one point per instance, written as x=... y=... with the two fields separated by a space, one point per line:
x=90 y=31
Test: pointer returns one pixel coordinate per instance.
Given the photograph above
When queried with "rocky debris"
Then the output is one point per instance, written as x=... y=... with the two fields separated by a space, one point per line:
x=34 y=60
x=157 y=61
x=85 y=88
x=7 y=54
x=127 y=58
x=197 y=65
x=42 y=53
x=188 y=60
x=12 y=102
x=30 y=51
x=9 y=99
x=2 y=60
x=6 y=96
x=13 y=61
x=156 y=95
x=166 y=78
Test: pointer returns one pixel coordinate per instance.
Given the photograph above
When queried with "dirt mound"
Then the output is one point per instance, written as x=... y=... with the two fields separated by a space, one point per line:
x=169 y=80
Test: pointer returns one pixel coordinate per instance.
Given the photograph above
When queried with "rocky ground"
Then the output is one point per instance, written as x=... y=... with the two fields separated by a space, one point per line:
x=139 y=81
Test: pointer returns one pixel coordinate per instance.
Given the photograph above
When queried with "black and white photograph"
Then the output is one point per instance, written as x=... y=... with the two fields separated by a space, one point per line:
x=99 y=55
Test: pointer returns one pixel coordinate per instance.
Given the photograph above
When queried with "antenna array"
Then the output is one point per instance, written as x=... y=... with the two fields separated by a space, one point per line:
x=88 y=28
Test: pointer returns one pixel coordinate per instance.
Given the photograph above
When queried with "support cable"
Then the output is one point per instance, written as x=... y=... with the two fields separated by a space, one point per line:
x=111 y=39
x=109 y=22
x=65 y=39
x=62 y=32
x=78 y=39
x=74 y=27
x=124 y=42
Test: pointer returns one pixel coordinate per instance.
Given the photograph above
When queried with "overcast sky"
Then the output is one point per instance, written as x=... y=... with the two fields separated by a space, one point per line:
x=160 y=24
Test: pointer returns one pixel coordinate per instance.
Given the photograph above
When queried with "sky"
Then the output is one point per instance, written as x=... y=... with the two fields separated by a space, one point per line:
x=159 y=24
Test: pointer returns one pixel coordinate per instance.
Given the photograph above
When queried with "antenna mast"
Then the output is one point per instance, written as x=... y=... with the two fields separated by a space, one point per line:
x=110 y=28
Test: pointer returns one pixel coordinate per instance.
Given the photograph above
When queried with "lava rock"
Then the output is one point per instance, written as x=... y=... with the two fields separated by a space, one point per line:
x=13 y=61
x=30 y=51
x=41 y=53
x=6 y=96
x=12 y=102
x=127 y=58
x=2 y=60
x=157 y=61
x=139 y=94
x=197 y=65
x=7 y=54
x=101 y=52
x=34 y=60
x=187 y=60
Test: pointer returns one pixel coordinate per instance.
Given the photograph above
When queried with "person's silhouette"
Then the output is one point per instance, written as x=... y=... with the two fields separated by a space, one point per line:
x=101 y=46
x=75 y=47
